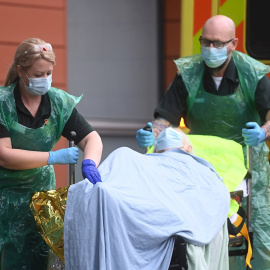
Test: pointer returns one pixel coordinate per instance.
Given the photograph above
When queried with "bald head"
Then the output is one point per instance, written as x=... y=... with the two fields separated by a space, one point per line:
x=219 y=27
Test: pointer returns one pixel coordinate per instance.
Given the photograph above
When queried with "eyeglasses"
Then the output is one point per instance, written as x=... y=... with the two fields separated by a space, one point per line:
x=216 y=43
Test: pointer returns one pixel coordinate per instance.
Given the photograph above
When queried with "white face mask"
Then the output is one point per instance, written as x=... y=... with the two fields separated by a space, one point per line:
x=214 y=57
x=169 y=138
x=38 y=86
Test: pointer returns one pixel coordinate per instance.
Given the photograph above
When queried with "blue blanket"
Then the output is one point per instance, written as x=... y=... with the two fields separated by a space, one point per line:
x=128 y=220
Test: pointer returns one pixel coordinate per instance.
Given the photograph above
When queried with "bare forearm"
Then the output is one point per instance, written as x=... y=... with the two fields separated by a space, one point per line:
x=92 y=147
x=266 y=128
x=17 y=159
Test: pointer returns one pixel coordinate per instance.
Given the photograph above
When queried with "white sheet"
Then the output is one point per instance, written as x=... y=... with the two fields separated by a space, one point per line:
x=213 y=256
x=126 y=222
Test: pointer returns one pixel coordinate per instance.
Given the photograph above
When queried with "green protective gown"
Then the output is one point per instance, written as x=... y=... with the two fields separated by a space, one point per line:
x=21 y=245
x=225 y=116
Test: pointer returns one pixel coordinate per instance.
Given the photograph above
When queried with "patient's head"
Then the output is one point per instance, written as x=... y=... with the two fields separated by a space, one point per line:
x=173 y=138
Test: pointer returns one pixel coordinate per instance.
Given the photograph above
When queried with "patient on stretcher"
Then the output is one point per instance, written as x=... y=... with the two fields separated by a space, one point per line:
x=129 y=220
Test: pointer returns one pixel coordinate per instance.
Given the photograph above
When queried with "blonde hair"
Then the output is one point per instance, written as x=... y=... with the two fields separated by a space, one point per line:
x=26 y=54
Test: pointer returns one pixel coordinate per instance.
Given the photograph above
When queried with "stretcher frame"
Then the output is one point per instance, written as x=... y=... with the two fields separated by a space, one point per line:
x=56 y=263
x=238 y=241
x=179 y=256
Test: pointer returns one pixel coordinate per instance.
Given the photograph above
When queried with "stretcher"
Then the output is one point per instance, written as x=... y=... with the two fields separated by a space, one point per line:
x=240 y=233
x=57 y=201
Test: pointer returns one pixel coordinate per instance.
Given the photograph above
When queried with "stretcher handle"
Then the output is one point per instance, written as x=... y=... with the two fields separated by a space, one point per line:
x=249 y=184
x=147 y=129
x=71 y=137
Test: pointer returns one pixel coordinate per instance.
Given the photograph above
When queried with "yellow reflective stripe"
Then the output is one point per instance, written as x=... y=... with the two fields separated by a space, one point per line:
x=151 y=149
x=186 y=42
x=244 y=232
x=214 y=11
x=215 y=7
x=234 y=9
x=196 y=43
x=234 y=206
x=219 y=153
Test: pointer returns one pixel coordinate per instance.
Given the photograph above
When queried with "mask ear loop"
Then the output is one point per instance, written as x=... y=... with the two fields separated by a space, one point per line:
x=27 y=78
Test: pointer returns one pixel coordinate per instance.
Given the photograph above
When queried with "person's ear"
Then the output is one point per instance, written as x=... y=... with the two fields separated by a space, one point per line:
x=234 y=44
x=189 y=148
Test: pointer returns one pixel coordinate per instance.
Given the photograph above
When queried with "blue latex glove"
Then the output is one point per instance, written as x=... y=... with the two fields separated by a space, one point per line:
x=253 y=134
x=145 y=138
x=90 y=171
x=64 y=156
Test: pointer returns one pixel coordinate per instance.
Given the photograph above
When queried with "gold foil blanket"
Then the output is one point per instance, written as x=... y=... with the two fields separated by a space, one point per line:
x=48 y=208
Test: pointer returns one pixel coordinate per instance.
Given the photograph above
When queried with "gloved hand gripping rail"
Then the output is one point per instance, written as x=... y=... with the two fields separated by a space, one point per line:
x=148 y=128
x=71 y=138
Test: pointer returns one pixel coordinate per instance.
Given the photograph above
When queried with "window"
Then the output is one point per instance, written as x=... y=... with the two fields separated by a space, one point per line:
x=258 y=29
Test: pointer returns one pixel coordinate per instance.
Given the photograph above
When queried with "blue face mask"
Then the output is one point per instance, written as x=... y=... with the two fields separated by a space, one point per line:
x=169 y=138
x=38 y=86
x=214 y=57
